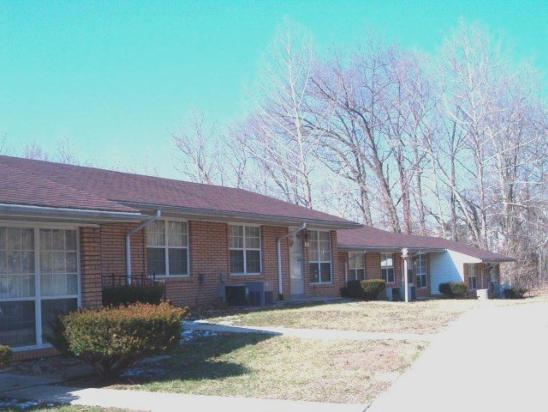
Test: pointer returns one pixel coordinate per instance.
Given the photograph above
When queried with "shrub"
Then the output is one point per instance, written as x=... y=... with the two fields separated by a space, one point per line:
x=363 y=289
x=126 y=295
x=5 y=356
x=112 y=339
x=453 y=289
x=515 y=292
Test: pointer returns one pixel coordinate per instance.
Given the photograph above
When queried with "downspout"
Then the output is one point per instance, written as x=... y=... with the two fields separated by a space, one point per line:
x=279 y=253
x=128 y=241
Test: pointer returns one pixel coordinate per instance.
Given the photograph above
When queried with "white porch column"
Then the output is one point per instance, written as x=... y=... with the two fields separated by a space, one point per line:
x=404 y=256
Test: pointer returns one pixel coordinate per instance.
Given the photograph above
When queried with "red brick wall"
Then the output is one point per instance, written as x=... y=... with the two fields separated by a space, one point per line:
x=209 y=261
x=103 y=252
x=90 y=266
x=113 y=249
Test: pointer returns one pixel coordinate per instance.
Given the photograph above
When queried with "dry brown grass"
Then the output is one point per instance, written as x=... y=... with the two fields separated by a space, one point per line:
x=416 y=317
x=285 y=368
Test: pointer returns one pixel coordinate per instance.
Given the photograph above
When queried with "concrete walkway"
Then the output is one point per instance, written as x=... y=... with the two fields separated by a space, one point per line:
x=492 y=359
x=157 y=401
x=319 y=334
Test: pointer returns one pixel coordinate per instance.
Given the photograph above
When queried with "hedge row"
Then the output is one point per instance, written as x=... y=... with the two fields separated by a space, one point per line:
x=453 y=289
x=112 y=339
x=127 y=295
x=363 y=289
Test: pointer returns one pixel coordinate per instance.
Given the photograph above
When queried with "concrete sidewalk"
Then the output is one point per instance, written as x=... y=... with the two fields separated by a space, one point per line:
x=157 y=401
x=319 y=334
x=492 y=359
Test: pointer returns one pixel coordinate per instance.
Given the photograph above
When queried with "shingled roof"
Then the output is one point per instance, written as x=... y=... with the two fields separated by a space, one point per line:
x=367 y=237
x=48 y=184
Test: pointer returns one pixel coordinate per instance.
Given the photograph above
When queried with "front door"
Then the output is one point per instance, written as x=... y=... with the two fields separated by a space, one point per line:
x=296 y=265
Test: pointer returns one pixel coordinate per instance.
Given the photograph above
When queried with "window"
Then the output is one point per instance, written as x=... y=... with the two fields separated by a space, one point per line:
x=58 y=275
x=39 y=280
x=17 y=287
x=472 y=276
x=356 y=266
x=167 y=248
x=420 y=270
x=387 y=268
x=244 y=243
x=319 y=256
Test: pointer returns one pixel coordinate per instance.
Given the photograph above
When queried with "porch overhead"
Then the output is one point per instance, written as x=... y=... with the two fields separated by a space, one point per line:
x=372 y=239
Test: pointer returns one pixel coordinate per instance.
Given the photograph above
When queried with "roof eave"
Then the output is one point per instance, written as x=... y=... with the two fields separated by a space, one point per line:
x=46 y=212
x=389 y=248
x=499 y=260
x=242 y=216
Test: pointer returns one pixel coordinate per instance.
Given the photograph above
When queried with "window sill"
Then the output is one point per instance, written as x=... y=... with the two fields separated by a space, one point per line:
x=321 y=283
x=246 y=274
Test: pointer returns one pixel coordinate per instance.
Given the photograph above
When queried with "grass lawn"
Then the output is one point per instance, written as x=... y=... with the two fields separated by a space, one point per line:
x=379 y=316
x=65 y=408
x=283 y=368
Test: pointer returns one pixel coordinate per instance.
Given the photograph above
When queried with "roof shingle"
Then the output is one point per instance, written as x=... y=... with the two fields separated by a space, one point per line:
x=368 y=237
x=34 y=182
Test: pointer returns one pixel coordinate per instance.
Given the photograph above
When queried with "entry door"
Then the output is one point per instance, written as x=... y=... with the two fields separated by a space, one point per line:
x=296 y=265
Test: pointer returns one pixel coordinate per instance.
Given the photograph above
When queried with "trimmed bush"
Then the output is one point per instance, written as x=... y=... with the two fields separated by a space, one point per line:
x=5 y=356
x=453 y=289
x=112 y=339
x=363 y=289
x=515 y=293
x=127 y=295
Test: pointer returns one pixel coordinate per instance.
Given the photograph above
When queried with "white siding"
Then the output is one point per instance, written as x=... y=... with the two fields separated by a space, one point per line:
x=448 y=266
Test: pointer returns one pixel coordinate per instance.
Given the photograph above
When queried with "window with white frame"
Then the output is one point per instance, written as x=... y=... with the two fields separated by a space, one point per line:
x=356 y=266
x=244 y=243
x=472 y=276
x=387 y=267
x=319 y=256
x=58 y=275
x=39 y=280
x=419 y=264
x=167 y=248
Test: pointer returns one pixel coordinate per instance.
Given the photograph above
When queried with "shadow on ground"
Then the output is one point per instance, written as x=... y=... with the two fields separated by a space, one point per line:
x=208 y=313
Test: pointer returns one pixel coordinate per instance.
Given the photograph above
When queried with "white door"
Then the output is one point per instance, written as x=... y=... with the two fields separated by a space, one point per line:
x=296 y=265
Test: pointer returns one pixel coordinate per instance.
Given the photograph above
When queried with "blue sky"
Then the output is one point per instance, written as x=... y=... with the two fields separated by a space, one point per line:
x=116 y=78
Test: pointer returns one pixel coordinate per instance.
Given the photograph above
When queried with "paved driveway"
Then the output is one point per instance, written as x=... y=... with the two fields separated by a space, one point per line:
x=492 y=359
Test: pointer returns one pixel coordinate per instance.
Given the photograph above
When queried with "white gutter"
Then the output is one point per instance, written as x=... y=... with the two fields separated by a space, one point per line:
x=128 y=241
x=65 y=212
x=279 y=255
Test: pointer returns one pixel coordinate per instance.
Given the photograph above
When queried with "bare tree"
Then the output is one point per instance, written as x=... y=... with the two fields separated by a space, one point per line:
x=274 y=134
x=198 y=147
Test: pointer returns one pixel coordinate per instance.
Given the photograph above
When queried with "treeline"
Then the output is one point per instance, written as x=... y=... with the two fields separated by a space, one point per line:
x=452 y=144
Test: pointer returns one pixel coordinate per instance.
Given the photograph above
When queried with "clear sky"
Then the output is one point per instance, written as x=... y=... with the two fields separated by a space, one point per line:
x=117 y=77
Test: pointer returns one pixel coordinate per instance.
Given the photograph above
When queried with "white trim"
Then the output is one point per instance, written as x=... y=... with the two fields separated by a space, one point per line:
x=421 y=257
x=244 y=249
x=361 y=257
x=38 y=298
x=319 y=261
x=166 y=247
x=393 y=282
